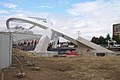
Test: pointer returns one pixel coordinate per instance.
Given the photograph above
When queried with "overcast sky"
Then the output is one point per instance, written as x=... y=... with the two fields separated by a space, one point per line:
x=89 y=17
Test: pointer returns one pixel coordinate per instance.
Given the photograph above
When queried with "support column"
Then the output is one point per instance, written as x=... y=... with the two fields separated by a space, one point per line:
x=44 y=41
x=55 y=41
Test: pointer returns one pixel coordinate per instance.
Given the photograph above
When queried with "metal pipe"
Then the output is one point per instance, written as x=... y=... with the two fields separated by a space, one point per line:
x=2 y=76
x=21 y=65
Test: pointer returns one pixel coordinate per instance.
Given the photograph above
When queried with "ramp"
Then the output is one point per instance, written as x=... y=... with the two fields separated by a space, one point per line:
x=87 y=47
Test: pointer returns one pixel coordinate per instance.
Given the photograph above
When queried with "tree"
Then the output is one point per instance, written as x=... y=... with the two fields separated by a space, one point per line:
x=95 y=40
x=108 y=37
x=101 y=40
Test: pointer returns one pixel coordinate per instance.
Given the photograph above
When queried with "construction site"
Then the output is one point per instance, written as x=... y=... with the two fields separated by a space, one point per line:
x=28 y=56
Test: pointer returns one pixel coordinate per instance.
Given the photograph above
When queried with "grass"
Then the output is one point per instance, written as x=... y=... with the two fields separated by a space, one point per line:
x=67 y=68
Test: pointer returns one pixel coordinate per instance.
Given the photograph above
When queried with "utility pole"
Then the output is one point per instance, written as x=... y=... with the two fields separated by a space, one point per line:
x=78 y=33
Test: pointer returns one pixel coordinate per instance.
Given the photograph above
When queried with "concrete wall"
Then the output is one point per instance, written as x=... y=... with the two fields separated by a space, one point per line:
x=5 y=50
x=83 y=49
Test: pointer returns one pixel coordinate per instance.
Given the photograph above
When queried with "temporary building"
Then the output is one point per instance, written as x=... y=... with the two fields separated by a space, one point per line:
x=5 y=49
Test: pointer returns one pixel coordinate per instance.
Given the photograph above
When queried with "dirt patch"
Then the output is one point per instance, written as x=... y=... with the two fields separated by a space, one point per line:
x=64 y=68
x=61 y=67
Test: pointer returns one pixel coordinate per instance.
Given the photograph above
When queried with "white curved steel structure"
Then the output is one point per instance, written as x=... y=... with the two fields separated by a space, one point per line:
x=84 y=46
x=40 y=24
